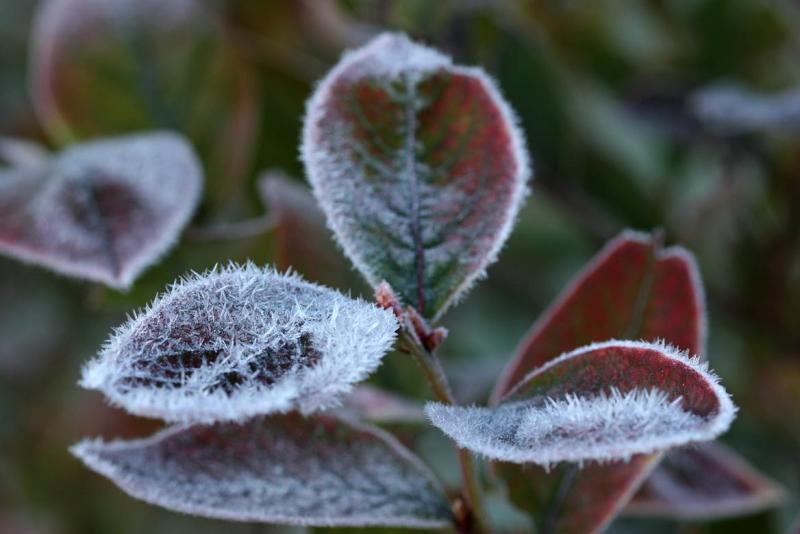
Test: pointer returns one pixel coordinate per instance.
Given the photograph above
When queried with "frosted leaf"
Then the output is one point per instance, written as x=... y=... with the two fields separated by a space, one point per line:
x=238 y=342
x=418 y=165
x=104 y=210
x=655 y=294
x=731 y=109
x=21 y=153
x=603 y=402
x=704 y=482
x=322 y=471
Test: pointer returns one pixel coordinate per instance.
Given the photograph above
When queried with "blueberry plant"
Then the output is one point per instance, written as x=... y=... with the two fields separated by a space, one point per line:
x=420 y=169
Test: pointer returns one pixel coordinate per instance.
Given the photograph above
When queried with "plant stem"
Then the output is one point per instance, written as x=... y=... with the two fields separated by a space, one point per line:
x=437 y=379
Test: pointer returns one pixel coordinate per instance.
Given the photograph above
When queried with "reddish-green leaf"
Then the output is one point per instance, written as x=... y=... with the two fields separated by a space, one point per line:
x=630 y=289
x=603 y=402
x=704 y=482
x=102 y=211
x=321 y=471
x=106 y=67
x=418 y=165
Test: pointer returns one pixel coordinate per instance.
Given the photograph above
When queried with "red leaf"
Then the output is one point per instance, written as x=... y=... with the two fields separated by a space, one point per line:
x=418 y=165
x=604 y=402
x=322 y=471
x=630 y=290
x=654 y=294
x=704 y=482
x=104 y=210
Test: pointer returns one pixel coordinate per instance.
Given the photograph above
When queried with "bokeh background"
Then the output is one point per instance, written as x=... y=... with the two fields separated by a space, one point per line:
x=605 y=91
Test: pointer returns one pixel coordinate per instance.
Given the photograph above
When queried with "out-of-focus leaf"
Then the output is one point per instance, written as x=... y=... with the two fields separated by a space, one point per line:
x=322 y=471
x=238 y=342
x=607 y=401
x=21 y=153
x=373 y=404
x=629 y=290
x=102 y=211
x=730 y=110
x=105 y=67
x=418 y=165
x=303 y=242
x=704 y=482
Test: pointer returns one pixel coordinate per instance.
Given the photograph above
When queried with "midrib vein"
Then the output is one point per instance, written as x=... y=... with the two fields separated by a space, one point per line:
x=410 y=174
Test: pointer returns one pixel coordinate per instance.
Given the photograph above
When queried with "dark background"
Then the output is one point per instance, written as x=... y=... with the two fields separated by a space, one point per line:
x=602 y=91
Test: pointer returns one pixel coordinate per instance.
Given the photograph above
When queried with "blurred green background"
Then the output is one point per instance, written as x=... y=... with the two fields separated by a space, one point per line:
x=602 y=90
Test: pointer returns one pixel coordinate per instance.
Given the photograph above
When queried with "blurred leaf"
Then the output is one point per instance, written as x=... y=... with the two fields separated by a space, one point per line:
x=303 y=241
x=730 y=110
x=102 y=211
x=379 y=406
x=704 y=482
x=104 y=67
x=21 y=153
x=233 y=343
x=322 y=471
x=419 y=167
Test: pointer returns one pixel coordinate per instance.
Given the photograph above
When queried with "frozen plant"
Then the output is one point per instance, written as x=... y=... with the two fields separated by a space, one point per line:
x=420 y=169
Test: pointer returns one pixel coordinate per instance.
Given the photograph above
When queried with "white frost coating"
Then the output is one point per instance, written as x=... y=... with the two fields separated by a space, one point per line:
x=241 y=341
x=317 y=472
x=336 y=179
x=732 y=109
x=576 y=428
x=104 y=210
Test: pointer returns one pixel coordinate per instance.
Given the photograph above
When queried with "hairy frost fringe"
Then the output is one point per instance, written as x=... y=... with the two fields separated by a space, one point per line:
x=390 y=55
x=240 y=314
x=574 y=428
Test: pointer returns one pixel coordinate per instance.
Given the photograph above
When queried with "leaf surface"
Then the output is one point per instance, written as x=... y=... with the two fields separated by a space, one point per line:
x=110 y=67
x=238 y=342
x=630 y=289
x=607 y=401
x=102 y=211
x=418 y=166
x=380 y=406
x=704 y=482
x=321 y=471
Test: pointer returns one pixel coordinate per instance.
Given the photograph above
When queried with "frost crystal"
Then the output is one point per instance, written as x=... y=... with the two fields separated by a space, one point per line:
x=569 y=421
x=104 y=210
x=321 y=471
x=238 y=342
x=418 y=165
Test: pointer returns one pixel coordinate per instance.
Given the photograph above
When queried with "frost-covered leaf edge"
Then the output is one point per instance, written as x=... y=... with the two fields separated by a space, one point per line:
x=434 y=59
x=96 y=370
x=436 y=412
x=82 y=451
